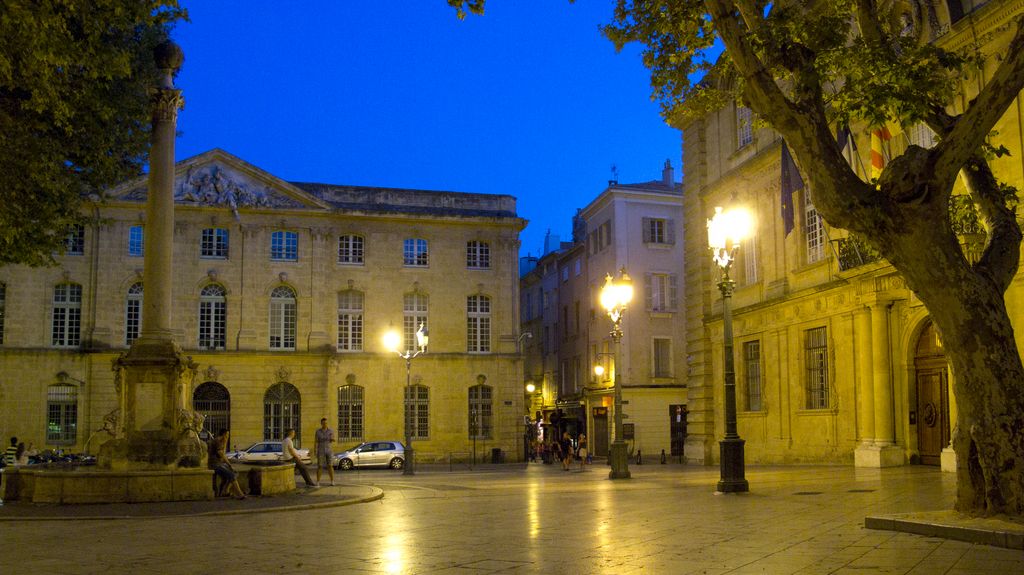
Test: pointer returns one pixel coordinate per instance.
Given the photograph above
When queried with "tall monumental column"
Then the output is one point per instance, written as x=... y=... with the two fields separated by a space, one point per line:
x=155 y=427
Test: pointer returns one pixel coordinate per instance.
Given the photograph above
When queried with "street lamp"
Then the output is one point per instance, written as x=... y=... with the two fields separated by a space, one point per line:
x=725 y=232
x=615 y=296
x=392 y=340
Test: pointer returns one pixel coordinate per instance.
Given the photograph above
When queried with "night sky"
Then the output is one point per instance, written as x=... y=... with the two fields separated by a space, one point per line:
x=529 y=100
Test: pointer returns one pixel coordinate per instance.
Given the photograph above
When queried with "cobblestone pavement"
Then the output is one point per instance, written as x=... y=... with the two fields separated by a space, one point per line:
x=666 y=519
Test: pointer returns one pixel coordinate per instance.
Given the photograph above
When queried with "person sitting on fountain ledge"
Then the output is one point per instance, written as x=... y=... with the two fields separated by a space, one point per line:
x=218 y=462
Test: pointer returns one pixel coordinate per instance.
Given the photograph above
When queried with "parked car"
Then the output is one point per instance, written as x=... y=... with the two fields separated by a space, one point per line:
x=265 y=452
x=372 y=454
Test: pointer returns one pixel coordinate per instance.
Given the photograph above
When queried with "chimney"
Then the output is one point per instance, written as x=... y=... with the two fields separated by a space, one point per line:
x=668 y=175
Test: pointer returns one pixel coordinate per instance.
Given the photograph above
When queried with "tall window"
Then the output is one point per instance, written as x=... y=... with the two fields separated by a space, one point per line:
x=74 y=242
x=284 y=246
x=752 y=374
x=3 y=309
x=478 y=323
x=749 y=254
x=662 y=357
x=480 y=410
x=67 y=315
x=213 y=401
x=212 y=317
x=136 y=241
x=133 y=313
x=814 y=232
x=744 y=126
x=415 y=253
x=816 y=364
x=478 y=255
x=661 y=292
x=659 y=231
x=281 y=406
x=61 y=415
x=282 y=318
x=350 y=321
x=350 y=412
x=414 y=313
x=214 y=244
x=350 y=249
x=417 y=411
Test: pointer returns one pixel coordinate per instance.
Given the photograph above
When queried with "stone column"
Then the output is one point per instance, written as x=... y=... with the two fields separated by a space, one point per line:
x=865 y=377
x=883 y=451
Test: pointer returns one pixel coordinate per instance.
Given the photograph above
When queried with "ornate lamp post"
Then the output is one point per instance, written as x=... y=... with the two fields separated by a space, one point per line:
x=725 y=232
x=615 y=296
x=392 y=341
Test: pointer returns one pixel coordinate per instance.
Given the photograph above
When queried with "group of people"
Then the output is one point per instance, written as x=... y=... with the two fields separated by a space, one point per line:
x=217 y=459
x=565 y=450
x=17 y=454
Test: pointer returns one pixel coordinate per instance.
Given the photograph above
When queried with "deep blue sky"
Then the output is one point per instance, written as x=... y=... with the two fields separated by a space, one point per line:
x=528 y=100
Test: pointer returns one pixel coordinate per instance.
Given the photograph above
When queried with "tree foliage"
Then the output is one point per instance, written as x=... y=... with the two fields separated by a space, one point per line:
x=74 y=113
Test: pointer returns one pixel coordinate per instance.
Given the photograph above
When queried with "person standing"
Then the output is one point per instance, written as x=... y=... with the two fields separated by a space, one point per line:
x=582 y=452
x=291 y=454
x=217 y=460
x=322 y=450
x=566 y=450
x=11 y=454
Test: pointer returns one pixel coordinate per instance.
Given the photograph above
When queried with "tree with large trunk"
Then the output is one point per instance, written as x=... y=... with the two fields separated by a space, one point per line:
x=74 y=111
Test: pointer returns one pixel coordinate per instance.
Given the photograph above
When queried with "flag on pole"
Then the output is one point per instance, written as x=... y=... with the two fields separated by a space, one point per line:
x=791 y=182
x=879 y=138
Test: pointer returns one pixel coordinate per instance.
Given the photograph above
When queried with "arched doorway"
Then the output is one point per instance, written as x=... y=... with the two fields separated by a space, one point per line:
x=213 y=401
x=932 y=396
x=281 y=405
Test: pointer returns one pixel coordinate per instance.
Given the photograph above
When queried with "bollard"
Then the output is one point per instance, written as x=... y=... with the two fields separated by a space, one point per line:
x=663 y=460
x=639 y=457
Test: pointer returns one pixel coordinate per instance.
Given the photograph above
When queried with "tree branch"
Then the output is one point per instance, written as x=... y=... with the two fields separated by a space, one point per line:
x=867 y=18
x=1002 y=253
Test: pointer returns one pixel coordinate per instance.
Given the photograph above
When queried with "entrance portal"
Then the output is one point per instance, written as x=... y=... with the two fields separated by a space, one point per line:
x=932 y=396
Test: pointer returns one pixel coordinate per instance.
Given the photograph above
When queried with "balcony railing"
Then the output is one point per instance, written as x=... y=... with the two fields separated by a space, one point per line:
x=853 y=252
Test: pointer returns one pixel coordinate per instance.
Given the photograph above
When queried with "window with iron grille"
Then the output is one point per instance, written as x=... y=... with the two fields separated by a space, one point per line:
x=414 y=314
x=212 y=317
x=417 y=411
x=214 y=243
x=478 y=321
x=816 y=364
x=133 y=313
x=136 y=241
x=480 y=410
x=74 y=242
x=662 y=357
x=284 y=246
x=478 y=255
x=61 y=415
x=350 y=321
x=67 y=315
x=752 y=374
x=414 y=253
x=281 y=410
x=350 y=412
x=213 y=401
x=282 y=319
x=350 y=249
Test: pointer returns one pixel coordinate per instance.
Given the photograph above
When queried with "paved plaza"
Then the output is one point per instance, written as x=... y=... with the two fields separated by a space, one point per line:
x=520 y=519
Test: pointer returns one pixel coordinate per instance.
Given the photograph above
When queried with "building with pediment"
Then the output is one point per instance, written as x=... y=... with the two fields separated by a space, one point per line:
x=282 y=292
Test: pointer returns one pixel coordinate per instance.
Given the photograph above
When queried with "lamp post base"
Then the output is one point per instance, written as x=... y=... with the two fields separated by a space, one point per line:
x=407 y=468
x=731 y=453
x=617 y=458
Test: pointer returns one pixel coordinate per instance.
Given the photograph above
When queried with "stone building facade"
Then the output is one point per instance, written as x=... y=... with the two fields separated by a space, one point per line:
x=282 y=292
x=836 y=359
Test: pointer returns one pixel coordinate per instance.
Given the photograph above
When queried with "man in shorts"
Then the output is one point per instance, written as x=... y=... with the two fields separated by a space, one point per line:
x=322 y=450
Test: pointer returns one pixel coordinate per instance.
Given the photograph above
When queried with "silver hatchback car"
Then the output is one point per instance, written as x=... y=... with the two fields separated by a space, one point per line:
x=372 y=454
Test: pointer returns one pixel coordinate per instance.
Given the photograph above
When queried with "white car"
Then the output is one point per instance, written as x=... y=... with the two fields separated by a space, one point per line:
x=265 y=452
x=371 y=454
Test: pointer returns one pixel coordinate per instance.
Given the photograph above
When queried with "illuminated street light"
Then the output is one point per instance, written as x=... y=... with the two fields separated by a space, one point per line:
x=615 y=296
x=725 y=233
x=392 y=341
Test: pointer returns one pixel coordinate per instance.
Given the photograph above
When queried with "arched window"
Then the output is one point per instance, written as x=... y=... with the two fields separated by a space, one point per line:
x=417 y=411
x=281 y=405
x=67 y=315
x=480 y=410
x=414 y=313
x=213 y=317
x=61 y=414
x=350 y=412
x=282 y=318
x=213 y=401
x=133 y=313
x=478 y=323
x=350 y=321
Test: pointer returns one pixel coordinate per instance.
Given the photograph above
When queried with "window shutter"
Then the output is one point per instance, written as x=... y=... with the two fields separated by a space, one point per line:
x=648 y=295
x=647 y=230
x=672 y=291
x=670 y=231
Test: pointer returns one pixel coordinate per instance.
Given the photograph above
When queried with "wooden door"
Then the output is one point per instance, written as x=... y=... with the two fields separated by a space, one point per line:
x=932 y=414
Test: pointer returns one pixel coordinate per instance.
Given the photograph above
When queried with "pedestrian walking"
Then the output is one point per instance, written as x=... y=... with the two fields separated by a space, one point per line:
x=289 y=453
x=322 y=450
x=581 y=450
x=567 y=450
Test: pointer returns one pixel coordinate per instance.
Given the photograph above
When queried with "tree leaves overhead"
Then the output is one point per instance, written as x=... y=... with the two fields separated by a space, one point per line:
x=74 y=113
